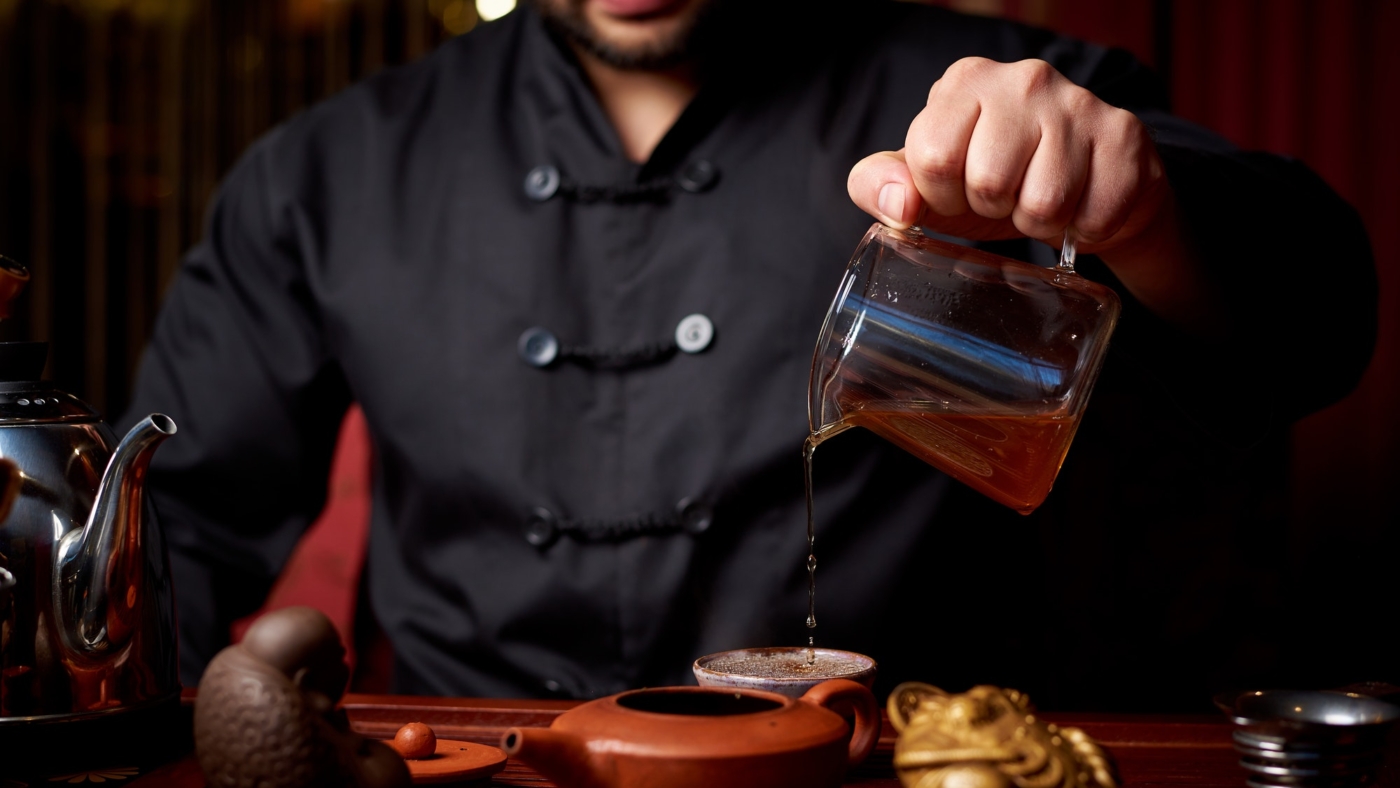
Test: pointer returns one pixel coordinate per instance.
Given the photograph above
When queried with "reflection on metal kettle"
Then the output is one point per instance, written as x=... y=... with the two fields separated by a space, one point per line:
x=88 y=626
x=9 y=488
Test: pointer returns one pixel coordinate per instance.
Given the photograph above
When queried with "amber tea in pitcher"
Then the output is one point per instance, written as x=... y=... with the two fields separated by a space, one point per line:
x=979 y=365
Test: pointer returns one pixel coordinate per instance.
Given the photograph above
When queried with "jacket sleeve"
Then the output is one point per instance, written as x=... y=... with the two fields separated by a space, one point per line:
x=1290 y=257
x=239 y=360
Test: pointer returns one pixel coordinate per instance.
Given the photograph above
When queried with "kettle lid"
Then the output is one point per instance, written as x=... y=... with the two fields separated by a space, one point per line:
x=13 y=277
x=24 y=399
x=39 y=402
x=21 y=361
x=18 y=360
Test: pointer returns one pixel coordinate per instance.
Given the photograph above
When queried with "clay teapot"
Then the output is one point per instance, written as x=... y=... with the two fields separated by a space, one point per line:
x=704 y=736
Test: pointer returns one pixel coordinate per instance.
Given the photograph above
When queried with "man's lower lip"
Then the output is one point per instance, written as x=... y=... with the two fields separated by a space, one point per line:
x=634 y=8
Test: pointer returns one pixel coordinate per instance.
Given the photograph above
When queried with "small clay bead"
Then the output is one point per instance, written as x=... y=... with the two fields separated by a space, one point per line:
x=415 y=740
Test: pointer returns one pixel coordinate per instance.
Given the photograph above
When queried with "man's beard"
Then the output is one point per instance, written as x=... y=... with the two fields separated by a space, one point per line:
x=681 y=45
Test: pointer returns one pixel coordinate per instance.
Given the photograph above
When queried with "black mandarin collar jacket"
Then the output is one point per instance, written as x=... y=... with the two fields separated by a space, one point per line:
x=598 y=523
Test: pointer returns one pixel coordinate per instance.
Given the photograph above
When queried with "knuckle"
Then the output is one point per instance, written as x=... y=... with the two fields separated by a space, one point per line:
x=1081 y=102
x=1103 y=213
x=1042 y=206
x=935 y=161
x=1035 y=76
x=1094 y=229
x=1126 y=130
x=967 y=68
x=994 y=187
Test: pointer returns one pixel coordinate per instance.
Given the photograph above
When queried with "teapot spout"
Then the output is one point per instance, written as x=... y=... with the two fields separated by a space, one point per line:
x=98 y=579
x=561 y=757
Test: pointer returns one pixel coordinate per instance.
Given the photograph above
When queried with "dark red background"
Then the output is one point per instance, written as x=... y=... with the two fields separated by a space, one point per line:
x=1318 y=80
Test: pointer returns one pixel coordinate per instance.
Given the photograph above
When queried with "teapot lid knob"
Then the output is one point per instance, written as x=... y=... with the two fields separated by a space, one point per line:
x=13 y=277
x=18 y=360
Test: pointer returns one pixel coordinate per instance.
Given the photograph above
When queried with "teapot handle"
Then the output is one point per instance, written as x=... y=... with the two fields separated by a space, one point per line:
x=849 y=699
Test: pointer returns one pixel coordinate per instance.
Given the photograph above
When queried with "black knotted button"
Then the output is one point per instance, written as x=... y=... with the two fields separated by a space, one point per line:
x=542 y=183
x=696 y=516
x=541 y=529
x=697 y=176
x=538 y=347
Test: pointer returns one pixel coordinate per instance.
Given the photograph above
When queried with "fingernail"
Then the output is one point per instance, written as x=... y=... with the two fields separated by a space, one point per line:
x=892 y=201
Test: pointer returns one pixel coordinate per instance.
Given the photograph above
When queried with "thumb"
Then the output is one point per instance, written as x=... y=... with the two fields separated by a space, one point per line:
x=881 y=185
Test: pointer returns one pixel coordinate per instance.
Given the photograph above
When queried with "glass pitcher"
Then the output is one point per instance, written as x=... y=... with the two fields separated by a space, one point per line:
x=979 y=365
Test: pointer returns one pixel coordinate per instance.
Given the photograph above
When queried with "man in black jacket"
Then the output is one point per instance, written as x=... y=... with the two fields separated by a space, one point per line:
x=572 y=265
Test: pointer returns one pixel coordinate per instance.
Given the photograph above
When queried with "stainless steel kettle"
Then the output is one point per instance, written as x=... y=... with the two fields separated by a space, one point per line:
x=87 y=627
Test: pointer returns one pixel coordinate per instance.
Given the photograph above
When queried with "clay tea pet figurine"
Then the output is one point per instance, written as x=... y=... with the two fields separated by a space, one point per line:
x=266 y=714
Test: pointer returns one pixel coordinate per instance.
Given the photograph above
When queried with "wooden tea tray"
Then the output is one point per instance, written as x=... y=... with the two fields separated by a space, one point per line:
x=1157 y=750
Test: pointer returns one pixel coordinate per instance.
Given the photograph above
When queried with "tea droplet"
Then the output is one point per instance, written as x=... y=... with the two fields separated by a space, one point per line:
x=808 y=448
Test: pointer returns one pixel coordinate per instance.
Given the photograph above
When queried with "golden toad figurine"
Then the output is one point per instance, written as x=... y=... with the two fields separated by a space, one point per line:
x=988 y=737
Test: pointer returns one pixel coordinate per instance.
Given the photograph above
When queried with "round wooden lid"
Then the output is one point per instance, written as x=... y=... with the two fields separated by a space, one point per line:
x=456 y=761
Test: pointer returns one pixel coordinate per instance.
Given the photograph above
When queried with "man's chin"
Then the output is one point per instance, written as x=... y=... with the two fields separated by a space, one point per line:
x=653 y=37
x=628 y=33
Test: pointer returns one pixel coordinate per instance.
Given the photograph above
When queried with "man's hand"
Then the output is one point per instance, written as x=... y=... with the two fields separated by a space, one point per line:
x=1016 y=149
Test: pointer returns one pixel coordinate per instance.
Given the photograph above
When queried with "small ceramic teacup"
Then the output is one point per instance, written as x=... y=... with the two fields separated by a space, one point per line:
x=786 y=670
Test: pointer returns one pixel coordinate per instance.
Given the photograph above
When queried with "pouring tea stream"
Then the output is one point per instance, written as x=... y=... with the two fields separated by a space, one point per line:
x=979 y=365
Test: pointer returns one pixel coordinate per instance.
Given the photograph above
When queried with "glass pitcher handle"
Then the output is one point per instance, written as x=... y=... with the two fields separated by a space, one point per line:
x=1066 y=263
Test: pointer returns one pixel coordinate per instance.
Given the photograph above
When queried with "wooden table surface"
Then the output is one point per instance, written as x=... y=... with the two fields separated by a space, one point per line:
x=1150 y=750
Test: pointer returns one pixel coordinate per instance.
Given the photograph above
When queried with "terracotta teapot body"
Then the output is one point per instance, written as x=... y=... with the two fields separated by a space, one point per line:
x=702 y=736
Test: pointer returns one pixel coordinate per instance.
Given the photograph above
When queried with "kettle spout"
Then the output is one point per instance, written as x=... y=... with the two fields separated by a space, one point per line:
x=561 y=757
x=98 y=579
